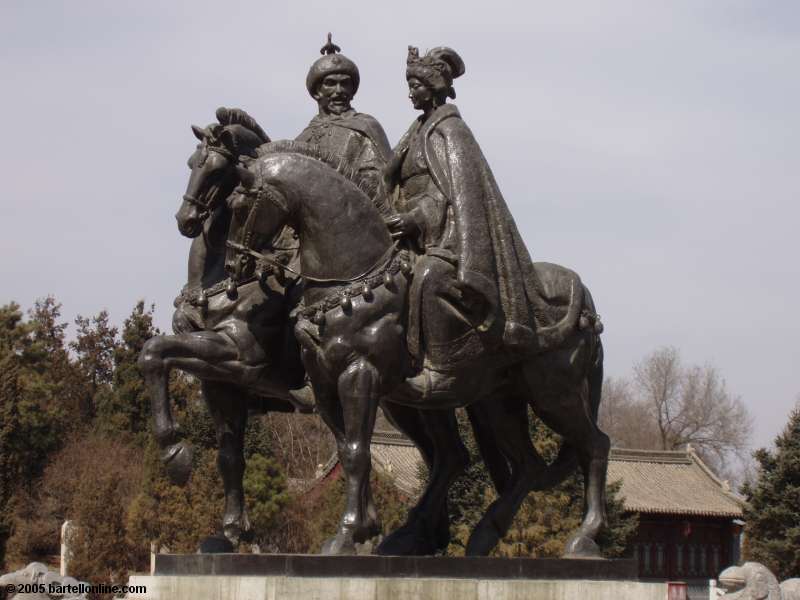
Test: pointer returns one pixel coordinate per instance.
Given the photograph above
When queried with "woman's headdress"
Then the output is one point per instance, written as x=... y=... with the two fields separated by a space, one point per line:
x=436 y=69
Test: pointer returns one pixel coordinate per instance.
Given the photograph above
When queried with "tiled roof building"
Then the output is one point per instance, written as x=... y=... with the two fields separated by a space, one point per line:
x=671 y=483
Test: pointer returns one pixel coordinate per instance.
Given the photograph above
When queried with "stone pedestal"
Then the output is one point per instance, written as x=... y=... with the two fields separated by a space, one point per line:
x=301 y=577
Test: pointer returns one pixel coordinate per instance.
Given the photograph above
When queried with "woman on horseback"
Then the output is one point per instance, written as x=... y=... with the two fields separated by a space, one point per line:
x=474 y=286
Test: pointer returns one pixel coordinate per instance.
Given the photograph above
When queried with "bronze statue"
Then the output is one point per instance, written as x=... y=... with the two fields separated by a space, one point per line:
x=443 y=308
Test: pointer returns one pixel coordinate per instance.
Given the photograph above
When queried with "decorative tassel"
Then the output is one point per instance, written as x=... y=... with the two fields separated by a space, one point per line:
x=598 y=325
x=366 y=292
x=346 y=303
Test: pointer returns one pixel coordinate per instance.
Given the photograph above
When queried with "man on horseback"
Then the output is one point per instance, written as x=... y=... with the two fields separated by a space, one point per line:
x=338 y=130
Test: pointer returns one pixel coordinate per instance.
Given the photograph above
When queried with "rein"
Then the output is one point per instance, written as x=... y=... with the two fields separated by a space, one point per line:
x=380 y=264
x=263 y=191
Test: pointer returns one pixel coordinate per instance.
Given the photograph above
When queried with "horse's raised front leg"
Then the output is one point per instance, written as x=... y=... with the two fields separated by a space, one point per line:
x=204 y=354
x=358 y=395
x=228 y=409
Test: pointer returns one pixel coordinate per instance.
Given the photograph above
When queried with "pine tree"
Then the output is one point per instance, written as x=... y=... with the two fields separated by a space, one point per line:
x=175 y=517
x=46 y=384
x=265 y=492
x=125 y=408
x=10 y=430
x=773 y=511
x=94 y=346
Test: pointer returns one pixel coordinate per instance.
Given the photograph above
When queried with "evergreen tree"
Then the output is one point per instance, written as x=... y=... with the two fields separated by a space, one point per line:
x=45 y=384
x=94 y=346
x=125 y=408
x=174 y=517
x=265 y=492
x=10 y=471
x=773 y=511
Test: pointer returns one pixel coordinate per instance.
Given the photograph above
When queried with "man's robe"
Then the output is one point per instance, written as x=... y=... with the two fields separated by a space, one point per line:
x=357 y=138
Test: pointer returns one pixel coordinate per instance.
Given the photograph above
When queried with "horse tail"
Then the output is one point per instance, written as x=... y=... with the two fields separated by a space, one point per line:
x=595 y=375
x=566 y=462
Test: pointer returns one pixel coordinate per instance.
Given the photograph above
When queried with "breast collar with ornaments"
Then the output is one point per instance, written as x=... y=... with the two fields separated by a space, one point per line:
x=342 y=296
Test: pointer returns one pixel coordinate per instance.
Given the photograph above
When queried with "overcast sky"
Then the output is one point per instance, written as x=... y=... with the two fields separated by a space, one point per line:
x=654 y=147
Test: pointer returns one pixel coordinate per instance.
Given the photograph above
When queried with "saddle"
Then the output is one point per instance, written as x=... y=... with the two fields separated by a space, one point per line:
x=561 y=306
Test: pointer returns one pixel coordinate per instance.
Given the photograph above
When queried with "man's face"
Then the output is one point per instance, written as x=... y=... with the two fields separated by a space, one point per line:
x=334 y=93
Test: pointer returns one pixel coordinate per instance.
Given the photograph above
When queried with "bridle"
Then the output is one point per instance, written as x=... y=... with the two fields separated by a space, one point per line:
x=205 y=207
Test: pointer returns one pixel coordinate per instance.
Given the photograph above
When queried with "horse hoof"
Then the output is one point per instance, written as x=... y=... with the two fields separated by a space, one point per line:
x=238 y=529
x=338 y=545
x=177 y=460
x=482 y=541
x=406 y=542
x=582 y=547
x=216 y=544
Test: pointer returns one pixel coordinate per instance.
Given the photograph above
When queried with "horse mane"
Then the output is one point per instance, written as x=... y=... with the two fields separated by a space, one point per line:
x=237 y=116
x=341 y=164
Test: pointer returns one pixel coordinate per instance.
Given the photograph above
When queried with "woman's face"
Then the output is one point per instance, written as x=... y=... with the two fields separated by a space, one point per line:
x=420 y=94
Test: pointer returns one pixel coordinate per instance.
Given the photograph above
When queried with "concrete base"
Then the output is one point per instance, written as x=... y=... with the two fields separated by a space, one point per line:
x=222 y=587
x=307 y=577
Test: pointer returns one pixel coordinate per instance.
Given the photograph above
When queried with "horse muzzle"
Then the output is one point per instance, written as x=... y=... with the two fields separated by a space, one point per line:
x=189 y=226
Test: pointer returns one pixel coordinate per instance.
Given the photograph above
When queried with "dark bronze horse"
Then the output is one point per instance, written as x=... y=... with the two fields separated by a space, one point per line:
x=350 y=326
x=230 y=323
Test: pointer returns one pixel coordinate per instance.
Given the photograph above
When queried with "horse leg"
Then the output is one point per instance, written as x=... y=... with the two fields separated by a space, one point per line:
x=358 y=398
x=505 y=431
x=435 y=433
x=229 y=413
x=204 y=354
x=486 y=438
x=567 y=392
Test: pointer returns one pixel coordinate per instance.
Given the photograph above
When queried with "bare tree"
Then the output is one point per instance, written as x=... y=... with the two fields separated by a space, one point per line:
x=668 y=405
x=301 y=442
x=626 y=421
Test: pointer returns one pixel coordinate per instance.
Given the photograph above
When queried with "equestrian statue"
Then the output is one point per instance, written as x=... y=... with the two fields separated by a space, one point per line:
x=377 y=277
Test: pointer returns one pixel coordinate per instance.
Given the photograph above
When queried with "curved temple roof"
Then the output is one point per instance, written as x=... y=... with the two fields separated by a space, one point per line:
x=653 y=481
x=676 y=483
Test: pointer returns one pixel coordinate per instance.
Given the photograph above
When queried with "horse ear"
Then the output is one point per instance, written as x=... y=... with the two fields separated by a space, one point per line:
x=199 y=132
x=246 y=176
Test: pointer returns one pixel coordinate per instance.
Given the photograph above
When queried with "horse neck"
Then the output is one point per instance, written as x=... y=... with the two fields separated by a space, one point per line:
x=341 y=233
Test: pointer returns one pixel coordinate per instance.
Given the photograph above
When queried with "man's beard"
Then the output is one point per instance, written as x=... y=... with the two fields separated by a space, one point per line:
x=338 y=106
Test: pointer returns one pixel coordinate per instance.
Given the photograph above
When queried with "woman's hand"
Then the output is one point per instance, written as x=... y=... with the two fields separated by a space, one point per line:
x=402 y=225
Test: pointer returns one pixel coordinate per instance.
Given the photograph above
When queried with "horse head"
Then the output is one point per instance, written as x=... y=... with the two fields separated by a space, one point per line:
x=259 y=213
x=213 y=165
